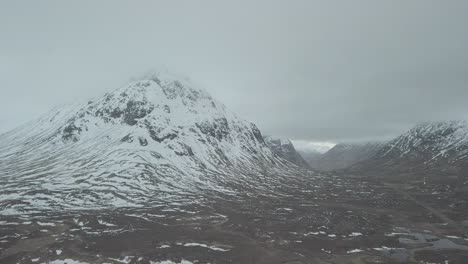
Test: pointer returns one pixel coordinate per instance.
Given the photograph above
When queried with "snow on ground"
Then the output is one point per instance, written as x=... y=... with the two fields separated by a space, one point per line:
x=125 y=260
x=102 y=222
x=8 y=223
x=354 y=251
x=164 y=246
x=65 y=261
x=384 y=248
x=171 y=262
x=45 y=224
x=205 y=246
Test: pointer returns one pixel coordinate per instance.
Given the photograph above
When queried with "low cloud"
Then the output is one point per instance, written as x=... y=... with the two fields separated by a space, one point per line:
x=313 y=71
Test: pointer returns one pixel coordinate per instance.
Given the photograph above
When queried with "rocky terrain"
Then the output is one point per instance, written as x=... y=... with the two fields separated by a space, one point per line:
x=160 y=172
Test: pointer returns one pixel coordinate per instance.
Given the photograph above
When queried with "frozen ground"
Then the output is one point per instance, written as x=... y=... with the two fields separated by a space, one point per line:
x=332 y=219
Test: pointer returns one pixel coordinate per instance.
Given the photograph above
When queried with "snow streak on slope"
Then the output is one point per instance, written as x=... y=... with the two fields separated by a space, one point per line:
x=431 y=142
x=440 y=147
x=154 y=139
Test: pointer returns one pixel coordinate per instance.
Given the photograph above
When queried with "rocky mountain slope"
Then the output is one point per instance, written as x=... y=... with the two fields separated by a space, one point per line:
x=285 y=149
x=310 y=156
x=432 y=146
x=152 y=140
x=344 y=155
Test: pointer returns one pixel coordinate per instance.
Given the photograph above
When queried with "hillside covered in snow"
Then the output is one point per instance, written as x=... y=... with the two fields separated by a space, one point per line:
x=153 y=139
x=431 y=146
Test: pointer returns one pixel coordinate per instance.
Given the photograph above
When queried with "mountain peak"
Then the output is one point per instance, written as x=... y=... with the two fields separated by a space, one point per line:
x=157 y=98
x=164 y=75
x=158 y=85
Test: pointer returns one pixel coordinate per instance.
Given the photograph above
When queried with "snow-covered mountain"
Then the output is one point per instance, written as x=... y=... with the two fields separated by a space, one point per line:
x=428 y=146
x=153 y=139
x=343 y=155
x=285 y=149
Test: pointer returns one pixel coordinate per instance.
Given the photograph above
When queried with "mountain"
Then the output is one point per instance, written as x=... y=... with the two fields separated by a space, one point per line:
x=343 y=155
x=152 y=140
x=428 y=147
x=311 y=157
x=285 y=149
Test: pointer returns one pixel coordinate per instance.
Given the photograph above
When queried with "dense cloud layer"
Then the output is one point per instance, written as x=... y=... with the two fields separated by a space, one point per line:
x=308 y=70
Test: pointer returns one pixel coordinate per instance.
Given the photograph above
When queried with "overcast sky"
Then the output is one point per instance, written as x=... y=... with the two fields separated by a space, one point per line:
x=312 y=71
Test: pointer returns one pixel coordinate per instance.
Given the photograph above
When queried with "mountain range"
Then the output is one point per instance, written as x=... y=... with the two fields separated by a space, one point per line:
x=161 y=138
x=429 y=148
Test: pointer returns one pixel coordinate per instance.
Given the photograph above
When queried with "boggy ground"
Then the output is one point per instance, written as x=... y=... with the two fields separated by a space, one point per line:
x=332 y=219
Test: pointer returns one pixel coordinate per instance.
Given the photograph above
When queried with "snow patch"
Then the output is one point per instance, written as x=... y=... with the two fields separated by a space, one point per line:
x=354 y=251
x=205 y=246
x=171 y=262
x=65 y=261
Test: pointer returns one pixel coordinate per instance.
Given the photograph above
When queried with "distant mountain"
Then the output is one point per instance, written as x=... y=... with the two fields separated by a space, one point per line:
x=285 y=149
x=310 y=156
x=428 y=147
x=344 y=155
x=151 y=140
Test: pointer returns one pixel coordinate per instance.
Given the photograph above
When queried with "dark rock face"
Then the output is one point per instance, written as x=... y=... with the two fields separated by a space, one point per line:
x=129 y=109
x=184 y=150
x=218 y=129
x=286 y=150
x=156 y=136
x=143 y=141
x=128 y=138
x=136 y=110
x=71 y=132
x=176 y=89
x=256 y=133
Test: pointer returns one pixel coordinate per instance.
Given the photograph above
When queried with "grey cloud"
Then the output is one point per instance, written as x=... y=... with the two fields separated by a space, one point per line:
x=308 y=70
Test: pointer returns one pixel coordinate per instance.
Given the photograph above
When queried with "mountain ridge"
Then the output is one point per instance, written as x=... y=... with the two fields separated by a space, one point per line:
x=429 y=147
x=285 y=149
